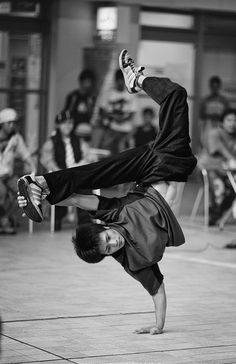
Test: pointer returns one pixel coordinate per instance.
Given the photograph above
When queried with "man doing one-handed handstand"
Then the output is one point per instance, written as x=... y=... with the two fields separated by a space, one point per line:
x=137 y=227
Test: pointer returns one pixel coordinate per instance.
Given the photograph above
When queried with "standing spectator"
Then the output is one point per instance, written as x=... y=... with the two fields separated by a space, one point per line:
x=63 y=150
x=212 y=108
x=117 y=114
x=146 y=132
x=80 y=102
x=12 y=147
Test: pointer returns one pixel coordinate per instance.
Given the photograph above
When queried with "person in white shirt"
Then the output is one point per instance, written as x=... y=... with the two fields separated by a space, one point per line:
x=12 y=147
x=117 y=114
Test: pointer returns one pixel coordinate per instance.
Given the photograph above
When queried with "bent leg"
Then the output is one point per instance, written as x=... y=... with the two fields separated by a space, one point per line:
x=124 y=167
x=173 y=114
x=146 y=164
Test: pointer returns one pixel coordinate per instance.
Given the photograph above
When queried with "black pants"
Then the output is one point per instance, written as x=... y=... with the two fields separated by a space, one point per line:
x=168 y=158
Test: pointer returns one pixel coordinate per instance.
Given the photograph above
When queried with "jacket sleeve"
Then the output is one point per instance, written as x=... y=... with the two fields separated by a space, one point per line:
x=108 y=208
x=150 y=277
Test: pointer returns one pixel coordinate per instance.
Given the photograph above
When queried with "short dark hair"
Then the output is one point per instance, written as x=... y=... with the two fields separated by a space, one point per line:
x=148 y=110
x=227 y=112
x=86 y=74
x=86 y=242
x=63 y=116
x=215 y=79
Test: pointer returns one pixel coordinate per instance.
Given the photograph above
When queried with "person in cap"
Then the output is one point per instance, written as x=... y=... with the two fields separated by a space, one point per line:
x=137 y=227
x=12 y=147
x=64 y=149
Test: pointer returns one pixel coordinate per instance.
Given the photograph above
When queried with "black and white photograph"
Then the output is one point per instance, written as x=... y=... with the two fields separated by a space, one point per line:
x=117 y=182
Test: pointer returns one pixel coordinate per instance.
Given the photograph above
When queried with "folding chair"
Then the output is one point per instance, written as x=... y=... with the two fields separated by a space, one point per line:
x=52 y=221
x=202 y=192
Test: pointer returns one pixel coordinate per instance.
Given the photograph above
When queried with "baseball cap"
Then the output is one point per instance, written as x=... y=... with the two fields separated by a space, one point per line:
x=8 y=114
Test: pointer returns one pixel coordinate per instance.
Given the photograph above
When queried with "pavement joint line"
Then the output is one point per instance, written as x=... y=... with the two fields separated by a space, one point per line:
x=75 y=317
x=154 y=351
x=40 y=349
x=202 y=261
x=45 y=361
x=71 y=360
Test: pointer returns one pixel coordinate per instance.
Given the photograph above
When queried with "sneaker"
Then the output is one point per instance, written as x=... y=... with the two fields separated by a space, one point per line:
x=32 y=192
x=231 y=245
x=130 y=72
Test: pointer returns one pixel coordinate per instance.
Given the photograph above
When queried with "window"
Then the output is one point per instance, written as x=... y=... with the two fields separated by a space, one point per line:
x=106 y=22
x=166 y=20
x=26 y=8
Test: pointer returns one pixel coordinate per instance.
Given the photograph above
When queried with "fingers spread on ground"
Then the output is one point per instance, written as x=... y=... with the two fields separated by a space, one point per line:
x=155 y=331
x=141 y=331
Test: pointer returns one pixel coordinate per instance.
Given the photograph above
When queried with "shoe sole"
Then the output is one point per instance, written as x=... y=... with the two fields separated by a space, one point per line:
x=32 y=210
x=121 y=57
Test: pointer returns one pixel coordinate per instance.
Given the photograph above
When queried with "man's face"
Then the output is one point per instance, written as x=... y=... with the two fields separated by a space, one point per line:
x=86 y=86
x=229 y=123
x=148 y=118
x=66 y=127
x=111 y=241
x=215 y=87
x=8 y=127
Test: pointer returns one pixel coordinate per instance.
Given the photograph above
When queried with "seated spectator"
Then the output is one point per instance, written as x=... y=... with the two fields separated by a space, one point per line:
x=63 y=150
x=221 y=151
x=146 y=132
x=12 y=147
x=212 y=107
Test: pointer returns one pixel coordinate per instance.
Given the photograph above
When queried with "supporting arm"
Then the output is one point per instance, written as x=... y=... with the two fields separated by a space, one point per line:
x=160 y=304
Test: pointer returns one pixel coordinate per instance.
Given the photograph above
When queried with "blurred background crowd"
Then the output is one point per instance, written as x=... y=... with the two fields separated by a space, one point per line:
x=63 y=101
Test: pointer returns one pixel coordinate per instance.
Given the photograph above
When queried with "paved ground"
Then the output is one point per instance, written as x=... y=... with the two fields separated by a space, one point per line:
x=57 y=309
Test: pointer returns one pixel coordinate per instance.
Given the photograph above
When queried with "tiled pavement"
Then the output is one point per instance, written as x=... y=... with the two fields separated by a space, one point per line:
x=57 y=309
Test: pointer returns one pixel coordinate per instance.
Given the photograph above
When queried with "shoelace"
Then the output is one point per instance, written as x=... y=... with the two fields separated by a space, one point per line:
x=130 y=62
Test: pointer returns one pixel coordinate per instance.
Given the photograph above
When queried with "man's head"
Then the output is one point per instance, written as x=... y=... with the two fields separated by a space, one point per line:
x=64 y=123
x=228 y=119
x=148 y=115
x=215 y=84
x=93 y=242
x=8 y=116
x=87 y=81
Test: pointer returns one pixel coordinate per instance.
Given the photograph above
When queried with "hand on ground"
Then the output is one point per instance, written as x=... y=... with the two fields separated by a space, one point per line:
x=152 y=330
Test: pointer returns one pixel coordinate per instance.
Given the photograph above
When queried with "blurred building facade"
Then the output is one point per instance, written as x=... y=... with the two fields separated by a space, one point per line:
x=45 y=44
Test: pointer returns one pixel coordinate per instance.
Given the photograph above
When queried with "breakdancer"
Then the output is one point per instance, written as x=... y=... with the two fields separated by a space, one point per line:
x=137 y=227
